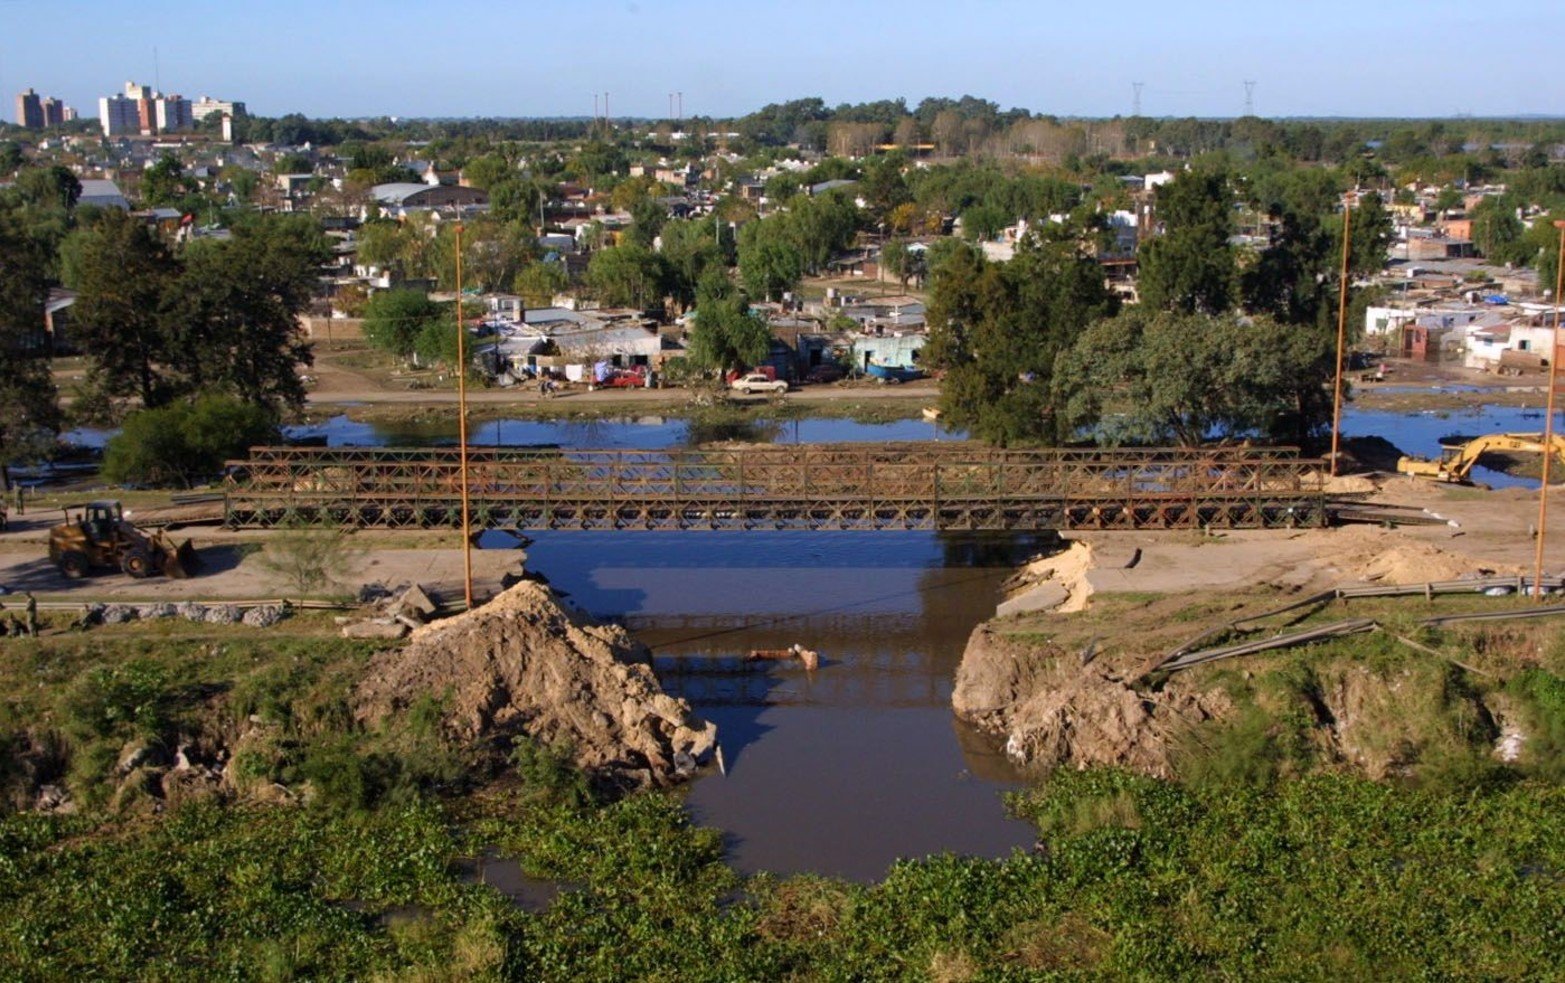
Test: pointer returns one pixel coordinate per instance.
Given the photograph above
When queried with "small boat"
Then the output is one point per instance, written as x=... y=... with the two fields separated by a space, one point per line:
x=931 y=413
x=893 y=373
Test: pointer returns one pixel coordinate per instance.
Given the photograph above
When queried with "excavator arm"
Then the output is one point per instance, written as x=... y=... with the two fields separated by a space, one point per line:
x=1456 y=463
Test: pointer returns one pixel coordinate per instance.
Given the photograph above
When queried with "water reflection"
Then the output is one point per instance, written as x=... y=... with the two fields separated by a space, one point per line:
x=843 y=770
x=638 y=433
x=1421 y=433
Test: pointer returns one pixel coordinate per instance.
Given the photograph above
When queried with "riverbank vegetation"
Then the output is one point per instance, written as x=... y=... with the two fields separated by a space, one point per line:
x=327 y=850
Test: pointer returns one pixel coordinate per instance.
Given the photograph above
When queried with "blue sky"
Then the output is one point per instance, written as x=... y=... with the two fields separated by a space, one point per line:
x=529 y=58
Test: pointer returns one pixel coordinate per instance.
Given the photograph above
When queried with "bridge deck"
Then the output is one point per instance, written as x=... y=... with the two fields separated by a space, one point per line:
x=813 y=486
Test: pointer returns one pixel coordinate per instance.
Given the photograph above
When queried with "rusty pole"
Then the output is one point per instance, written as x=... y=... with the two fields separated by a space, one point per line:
x=1342 y=335
x=1548 y=417
x=461 y=402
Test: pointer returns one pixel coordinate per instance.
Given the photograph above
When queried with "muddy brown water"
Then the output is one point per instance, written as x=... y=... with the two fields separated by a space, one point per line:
x=839 y=772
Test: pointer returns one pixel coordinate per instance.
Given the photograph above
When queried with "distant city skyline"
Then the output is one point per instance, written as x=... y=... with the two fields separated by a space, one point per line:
x=355 y=58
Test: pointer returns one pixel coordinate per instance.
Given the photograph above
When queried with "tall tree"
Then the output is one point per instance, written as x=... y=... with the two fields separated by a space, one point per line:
x=1289 y=279
x=1191 y=267
x=43 y=208
x=690 y=249
x=121 y=272
x=394 y=320
x=1496 y=230
x=1372 y=232
x=236 y=310
x=539 y=281
x=27 y=396
x=726 y=336
x=626 y=276
x=165 y=182
x=770 y=261
x=998 y=329
x=1155 y=377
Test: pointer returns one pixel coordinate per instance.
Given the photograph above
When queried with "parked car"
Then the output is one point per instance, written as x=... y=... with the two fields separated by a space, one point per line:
x=625 y=379
x=759 y=382
x=824 y=373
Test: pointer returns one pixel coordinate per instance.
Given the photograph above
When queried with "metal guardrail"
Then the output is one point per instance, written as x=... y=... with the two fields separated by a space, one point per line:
x=1189 y=655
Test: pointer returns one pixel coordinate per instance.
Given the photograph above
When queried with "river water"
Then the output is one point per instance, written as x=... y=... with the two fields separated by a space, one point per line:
x=1415 y=433
x=846 y=769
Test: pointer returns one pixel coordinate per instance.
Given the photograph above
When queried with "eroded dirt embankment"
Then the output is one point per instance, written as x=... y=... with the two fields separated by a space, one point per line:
x=1069 y=686
x=525 y=665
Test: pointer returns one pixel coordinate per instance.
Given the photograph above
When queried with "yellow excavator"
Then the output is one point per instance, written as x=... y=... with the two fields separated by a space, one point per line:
x=1456 y=461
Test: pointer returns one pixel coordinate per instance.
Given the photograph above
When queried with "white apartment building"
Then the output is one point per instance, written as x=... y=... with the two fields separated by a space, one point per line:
x=206 y=106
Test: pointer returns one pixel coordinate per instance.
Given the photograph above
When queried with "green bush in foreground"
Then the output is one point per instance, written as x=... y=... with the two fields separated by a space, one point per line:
x=1323 y=877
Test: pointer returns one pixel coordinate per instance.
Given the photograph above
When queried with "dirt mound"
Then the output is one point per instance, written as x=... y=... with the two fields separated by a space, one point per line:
x=522 y=664
x=1068 y=569
x=1373 y=555
x=1370 y=453
x=1051 y=710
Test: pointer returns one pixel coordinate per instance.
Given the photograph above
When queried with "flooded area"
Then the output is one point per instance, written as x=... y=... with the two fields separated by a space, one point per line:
x=628 y=433
x=1421 y=433
x=840 y=771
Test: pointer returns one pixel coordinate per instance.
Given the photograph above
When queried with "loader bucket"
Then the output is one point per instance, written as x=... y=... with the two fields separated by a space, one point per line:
x=182 y=562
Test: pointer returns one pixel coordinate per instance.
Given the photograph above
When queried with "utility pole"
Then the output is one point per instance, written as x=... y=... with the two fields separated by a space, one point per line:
x=1548 y=419
x=461 y=403
x=1342 y=333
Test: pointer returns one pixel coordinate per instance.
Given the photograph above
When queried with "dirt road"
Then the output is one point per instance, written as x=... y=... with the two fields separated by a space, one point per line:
x=231 y=571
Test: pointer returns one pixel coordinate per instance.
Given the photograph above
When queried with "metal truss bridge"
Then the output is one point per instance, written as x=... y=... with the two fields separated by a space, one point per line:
x=955 y=485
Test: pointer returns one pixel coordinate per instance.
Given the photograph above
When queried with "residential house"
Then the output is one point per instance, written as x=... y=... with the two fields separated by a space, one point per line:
x=102 y=193
x=894 y=350
x=403 y=198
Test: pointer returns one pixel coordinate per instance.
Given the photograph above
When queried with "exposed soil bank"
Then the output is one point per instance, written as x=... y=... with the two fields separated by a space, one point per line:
x=523 y=664
x=1062 y=678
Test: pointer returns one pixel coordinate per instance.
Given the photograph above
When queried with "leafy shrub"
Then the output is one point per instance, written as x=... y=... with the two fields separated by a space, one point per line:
x=549 y=774
x=1542 y=696
x=117 y=700
x=182 y=443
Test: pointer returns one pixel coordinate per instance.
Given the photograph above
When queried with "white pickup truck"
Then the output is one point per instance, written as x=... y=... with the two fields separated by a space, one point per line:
x=758 y=382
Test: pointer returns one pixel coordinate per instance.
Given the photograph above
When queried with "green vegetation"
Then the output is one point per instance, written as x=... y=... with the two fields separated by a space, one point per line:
x=28 y=409
x=311 y=559
x=727 y=335
x=410 y=326
x=186 y=442
x=1156 y=378
x=997 y=330
x=158 y=326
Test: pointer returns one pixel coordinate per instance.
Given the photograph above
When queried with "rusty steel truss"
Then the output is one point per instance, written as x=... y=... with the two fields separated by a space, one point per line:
x=812 y=486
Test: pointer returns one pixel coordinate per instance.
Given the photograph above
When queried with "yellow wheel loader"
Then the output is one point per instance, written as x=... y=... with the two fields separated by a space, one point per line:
x=98 y=535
